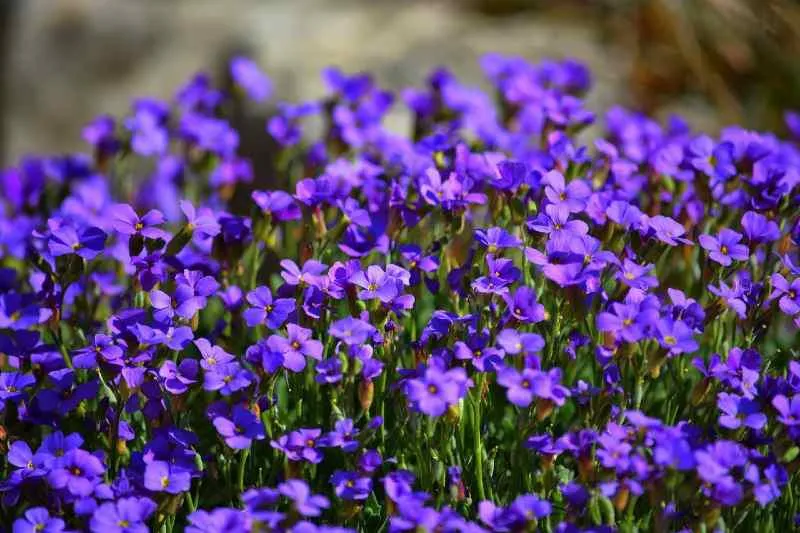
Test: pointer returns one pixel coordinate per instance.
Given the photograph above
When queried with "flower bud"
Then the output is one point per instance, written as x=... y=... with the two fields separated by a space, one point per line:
x=366 y=393
x=621 y=498
x=700 y=390
x=453 y=414
x=122 y=448
x=135 y=245
x=181 y=239
x=543 y=408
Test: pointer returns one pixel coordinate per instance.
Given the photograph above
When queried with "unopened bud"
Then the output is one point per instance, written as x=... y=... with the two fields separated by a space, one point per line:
x=453 y=414
x=180 y=240
x=366 y=393
x=122 y=448
x=543 y=409
x=621 y=499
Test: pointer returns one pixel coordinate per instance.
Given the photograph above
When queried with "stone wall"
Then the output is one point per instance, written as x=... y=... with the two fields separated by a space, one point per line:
x=68 y=60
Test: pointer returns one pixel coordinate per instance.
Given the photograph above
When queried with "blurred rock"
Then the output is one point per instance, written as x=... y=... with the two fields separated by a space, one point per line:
x=72 y=59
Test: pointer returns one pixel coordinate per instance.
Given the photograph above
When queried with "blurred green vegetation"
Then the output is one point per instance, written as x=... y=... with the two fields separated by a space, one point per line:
x=741 y=57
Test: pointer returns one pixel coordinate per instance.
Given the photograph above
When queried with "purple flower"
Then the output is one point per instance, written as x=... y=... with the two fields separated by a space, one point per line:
x=13 y=385
x=210 y=134
x=573 y=195
x=495 y=239
x=125 y=220
x=477 y=349
x=414 y=516
x=734 y=296
x=788 y=410
x=203 y=223
x=189 y=297
x=624 y=214
x=311 y=273
x=555 y=221
x=161 y=476
x=227 y=378
x=218 y=521
x=343 y=436
x=665 y=230
x=523 y=387
x=264 y=310
x=502 y=273
x=514 y=342
x=149 y=137
x=248 y=76
x=21 y=311
x=724 y=248
x=300 y=445
x=352 y=331
x=676 y=336
x=261 y=354
x=436 y=390
x=260 y=503
x=450 y=194
x=126 y=515
x=376 y=284
x=523 y=306
x=789 y=294
x=173 y=338
x=571 y=259
x=629 y=321
x=55 y=448
x=178 y=378
x=28 y=465
x=79 y=473
x=212 y=354
x=104 y=347
x=714 y=465
x=38 y=520
x=88 y=244
x=636 y=276
x=353 y=213
x=758 y=228
x=769 y=488
x=417 y=263
x=370 y=461
x=199 y=94
x=242 y=428
x=738 y=411
x=329 y=371
x=351 y=485
x=529 y=507
x=280 y=205
x=303 y=501
x=295 y=347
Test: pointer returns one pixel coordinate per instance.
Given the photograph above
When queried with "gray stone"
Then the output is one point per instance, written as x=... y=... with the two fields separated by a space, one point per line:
x=73 y=59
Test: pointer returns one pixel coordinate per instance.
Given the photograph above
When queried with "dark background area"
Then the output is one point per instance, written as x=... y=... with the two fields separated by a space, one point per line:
x=716 y=62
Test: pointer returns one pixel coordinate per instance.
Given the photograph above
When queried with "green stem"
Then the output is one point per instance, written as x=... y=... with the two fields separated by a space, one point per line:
x=478 y=446
x=242 y=464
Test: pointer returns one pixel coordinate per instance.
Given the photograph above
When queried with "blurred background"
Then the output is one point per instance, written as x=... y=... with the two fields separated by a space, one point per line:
x=716 y=62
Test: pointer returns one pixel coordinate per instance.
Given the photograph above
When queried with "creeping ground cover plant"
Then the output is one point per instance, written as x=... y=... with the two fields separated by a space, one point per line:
x=489 y=323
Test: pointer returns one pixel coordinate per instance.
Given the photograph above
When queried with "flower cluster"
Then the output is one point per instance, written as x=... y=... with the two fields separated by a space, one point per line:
x=487 y=325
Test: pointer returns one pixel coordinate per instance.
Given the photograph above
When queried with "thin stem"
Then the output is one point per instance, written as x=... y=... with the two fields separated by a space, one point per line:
x=242 y=464
x=478 y=445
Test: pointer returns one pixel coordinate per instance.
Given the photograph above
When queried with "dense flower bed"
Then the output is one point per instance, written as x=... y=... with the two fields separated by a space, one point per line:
x=486 y=325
